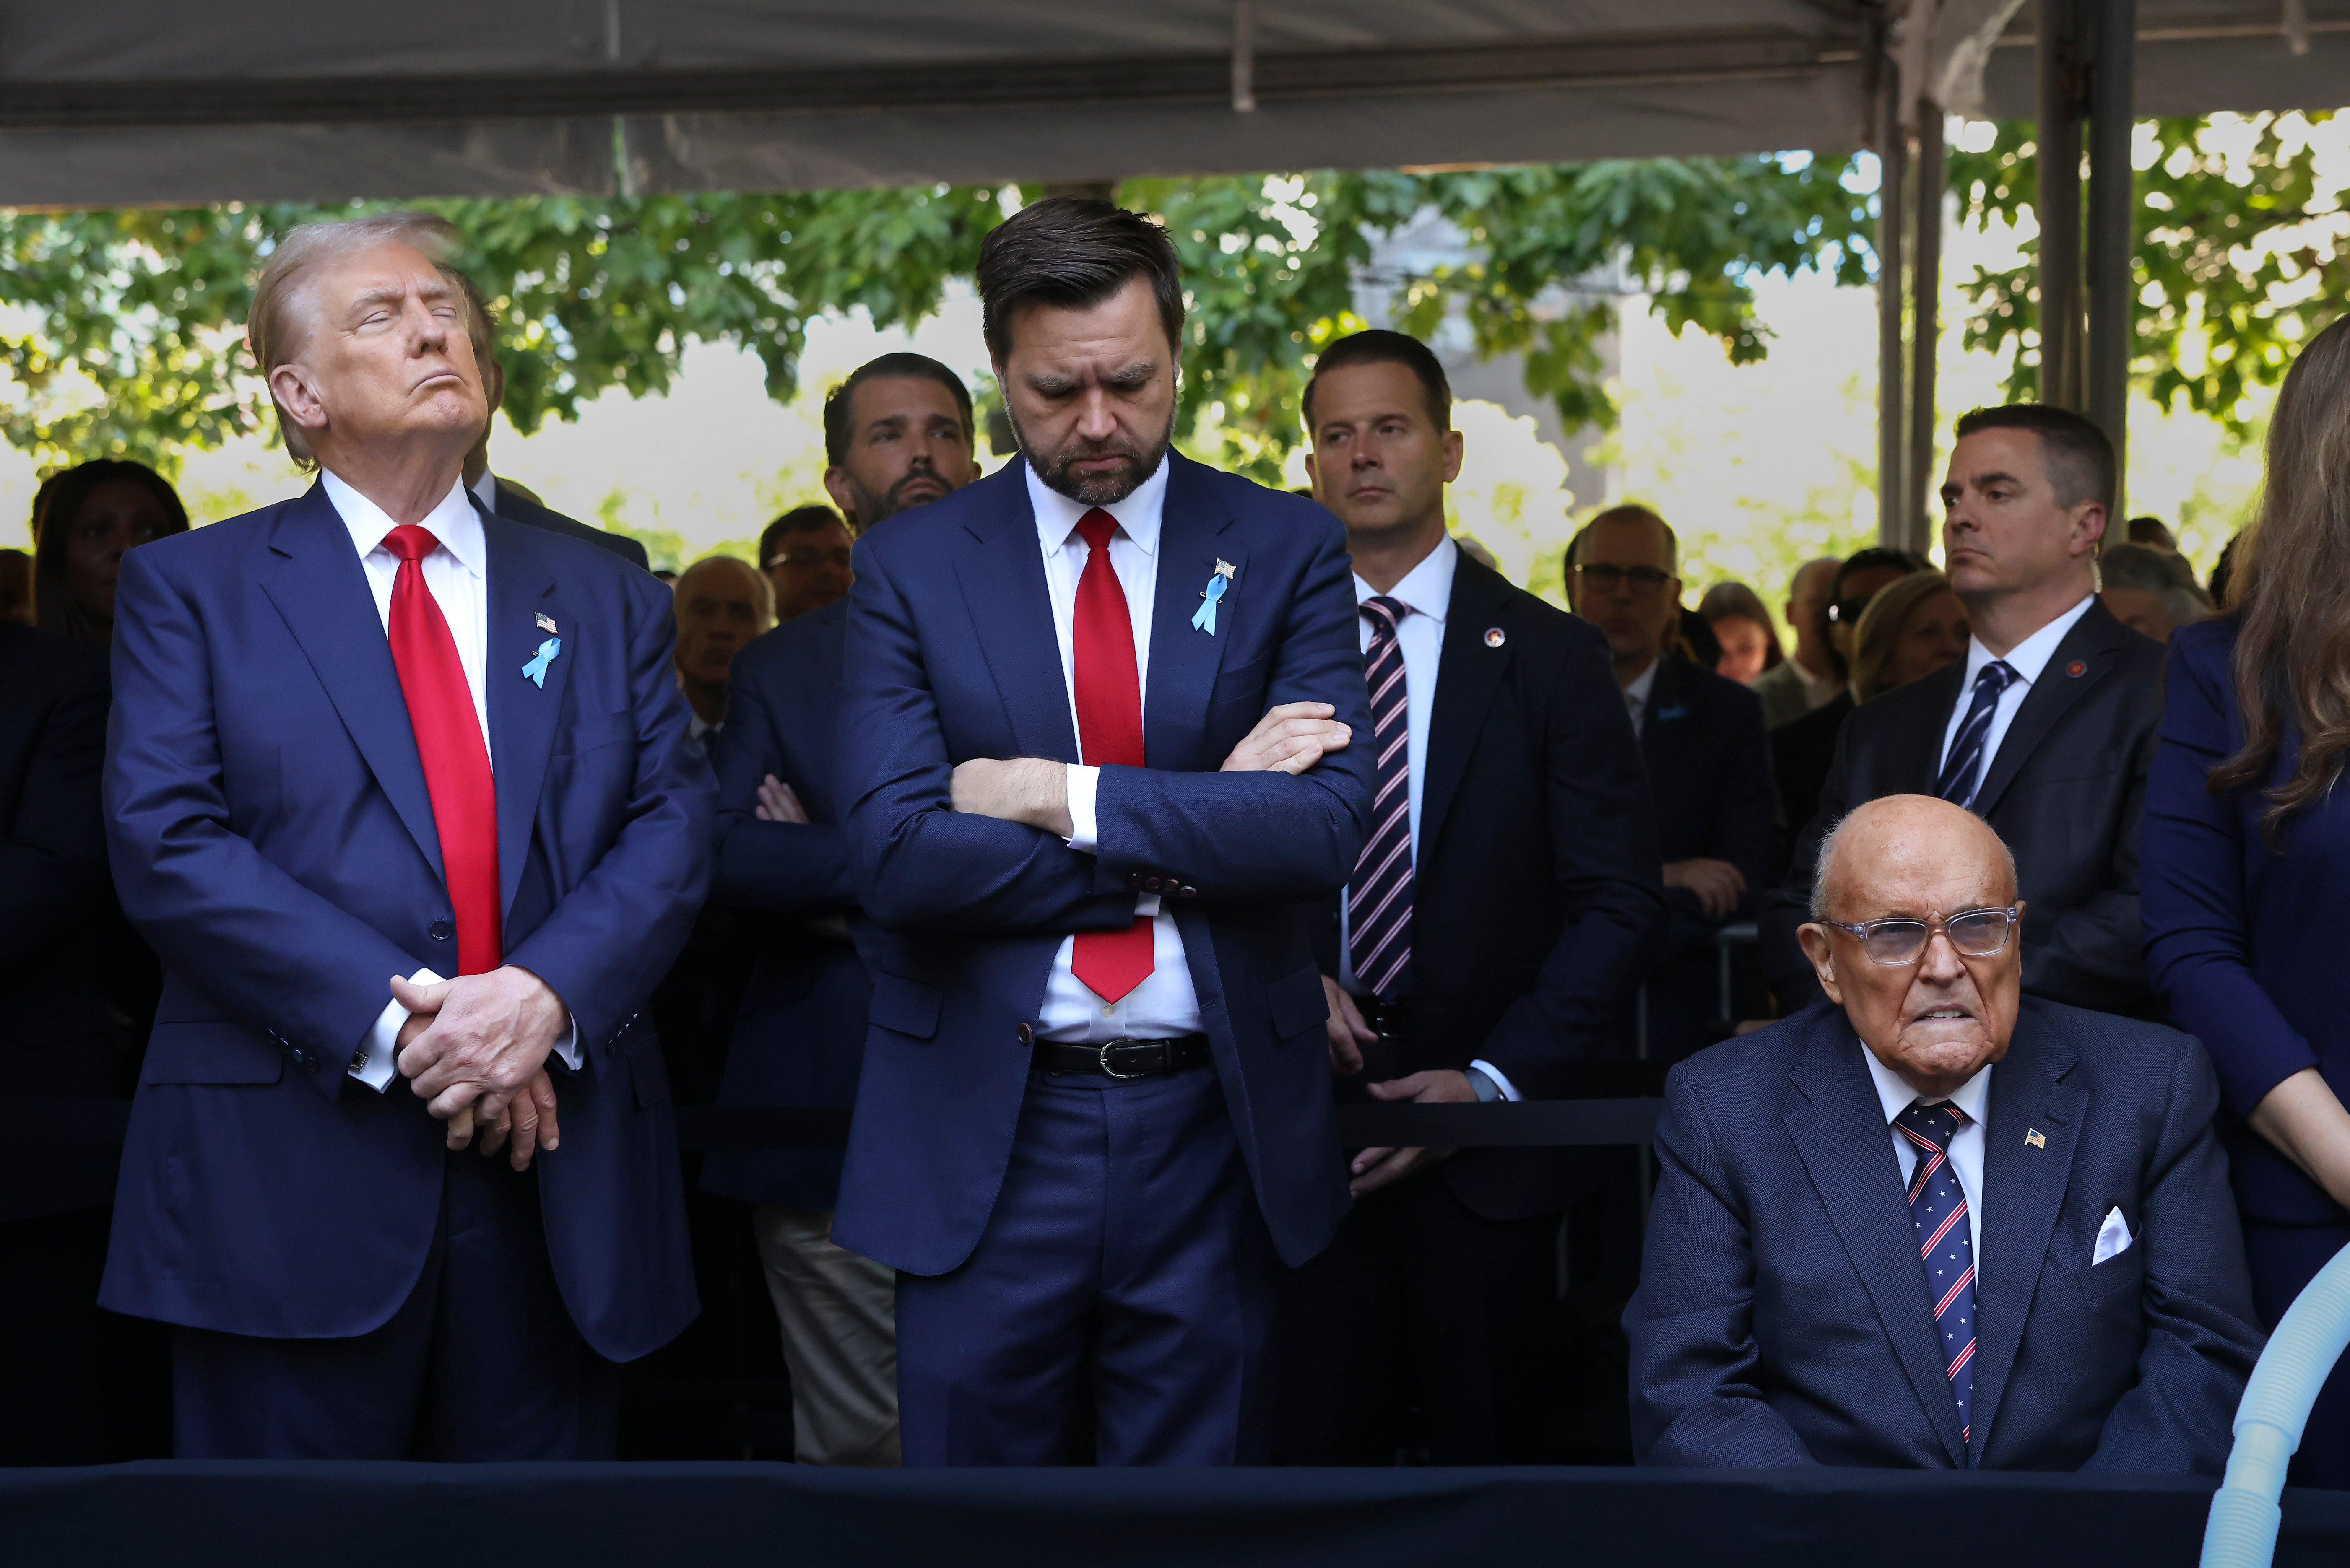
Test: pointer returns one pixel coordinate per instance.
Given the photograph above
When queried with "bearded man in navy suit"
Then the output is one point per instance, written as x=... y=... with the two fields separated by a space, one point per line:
x=362 y=740
x=1092 y=765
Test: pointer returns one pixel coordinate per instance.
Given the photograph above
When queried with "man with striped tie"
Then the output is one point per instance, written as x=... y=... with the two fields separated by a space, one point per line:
x=1497 y=919
x=2045 y=729
x=2046 y=1275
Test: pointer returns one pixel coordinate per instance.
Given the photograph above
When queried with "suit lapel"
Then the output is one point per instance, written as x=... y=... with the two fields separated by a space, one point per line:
x=1194 y=536
x=1919 y=753
x=1468 y=673
x=1002 y=578
x=522 y=587
x=1841 y=1138
x=2023 y=1188
x=319 y=588
x=2093 y=643
x=1656 y=740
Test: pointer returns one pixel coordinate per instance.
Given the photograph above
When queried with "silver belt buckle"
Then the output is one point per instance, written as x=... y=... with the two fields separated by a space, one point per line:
x=1101 y=1055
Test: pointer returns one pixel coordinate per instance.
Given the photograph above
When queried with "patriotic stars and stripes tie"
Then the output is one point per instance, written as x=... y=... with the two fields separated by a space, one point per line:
x=1378 y=906
x=1946 y=1242
x=1962 y=772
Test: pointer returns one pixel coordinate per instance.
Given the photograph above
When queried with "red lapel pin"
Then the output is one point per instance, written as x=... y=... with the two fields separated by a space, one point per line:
x=2077 y=669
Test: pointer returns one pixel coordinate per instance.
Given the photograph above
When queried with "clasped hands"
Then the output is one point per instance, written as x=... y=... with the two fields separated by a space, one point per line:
x=1372 y=1168
x=475 y=1048
x=1035 y=791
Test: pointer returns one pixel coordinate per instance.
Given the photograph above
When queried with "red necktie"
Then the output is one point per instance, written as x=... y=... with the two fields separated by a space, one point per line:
x=449 y=740
x=1109 y=730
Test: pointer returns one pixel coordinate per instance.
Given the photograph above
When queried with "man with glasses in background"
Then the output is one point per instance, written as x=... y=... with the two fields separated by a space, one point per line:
x=2045 y=729
x=2068 y=1292
x=1707 y=756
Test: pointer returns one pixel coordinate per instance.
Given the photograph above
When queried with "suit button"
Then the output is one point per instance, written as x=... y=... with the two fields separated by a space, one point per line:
x=1026 y=1035
x=1191 y=892
x=1150 y=884
x=439 y=930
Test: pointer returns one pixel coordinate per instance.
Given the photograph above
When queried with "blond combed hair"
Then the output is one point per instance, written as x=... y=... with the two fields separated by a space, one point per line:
x=282 y=315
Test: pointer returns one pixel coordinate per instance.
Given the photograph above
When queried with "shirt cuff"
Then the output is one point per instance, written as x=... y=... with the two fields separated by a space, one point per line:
x=373 y=1063
x=1082 y=782
x=1501 y=1080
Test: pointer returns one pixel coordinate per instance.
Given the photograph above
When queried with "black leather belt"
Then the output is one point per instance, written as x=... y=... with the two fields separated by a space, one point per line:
x=1124 y=1058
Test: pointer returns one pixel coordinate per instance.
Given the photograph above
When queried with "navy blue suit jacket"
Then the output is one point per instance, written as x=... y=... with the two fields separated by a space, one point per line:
x=2244 y=944
x=1783 y=1317
x=799 y=1034
x=951 y=656
x=271 y=838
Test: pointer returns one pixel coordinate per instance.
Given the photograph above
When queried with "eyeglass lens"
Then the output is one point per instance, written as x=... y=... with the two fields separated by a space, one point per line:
x=1607 y=580
x=1979 y=933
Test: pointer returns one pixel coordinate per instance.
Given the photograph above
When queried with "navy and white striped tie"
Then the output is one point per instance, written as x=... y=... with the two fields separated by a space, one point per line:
x=1946 y=1243
x=1962 y=772
x=1378 y=904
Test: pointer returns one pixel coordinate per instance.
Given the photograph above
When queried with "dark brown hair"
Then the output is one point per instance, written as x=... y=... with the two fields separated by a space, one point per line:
x=1724 y=600
x=2290 y=586
x=55 y=510
x=797 y=521
x=2078 y=457
x=838 y=410
x=1074 y=252
x=1378 y=346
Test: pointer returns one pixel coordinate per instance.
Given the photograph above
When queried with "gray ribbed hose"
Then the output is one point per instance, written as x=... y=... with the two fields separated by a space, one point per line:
x=2243 y=1530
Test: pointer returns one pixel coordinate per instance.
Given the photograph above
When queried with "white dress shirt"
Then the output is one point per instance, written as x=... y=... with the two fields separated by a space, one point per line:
x=1164 y=1005
x=1973 y=1096
x=1635 y=695
x=457 y=576
x=2028 y=659
x=1426 y=594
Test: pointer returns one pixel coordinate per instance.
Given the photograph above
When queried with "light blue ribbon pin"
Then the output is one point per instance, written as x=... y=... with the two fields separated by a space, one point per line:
x=535 y=670
x=1204 y=618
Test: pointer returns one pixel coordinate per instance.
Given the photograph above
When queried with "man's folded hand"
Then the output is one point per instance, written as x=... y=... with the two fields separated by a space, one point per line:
x=487 y=1036
x=1033 y=791
x=1290 y=739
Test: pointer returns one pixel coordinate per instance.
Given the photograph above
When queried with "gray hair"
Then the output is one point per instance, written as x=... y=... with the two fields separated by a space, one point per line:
x=2167 y=576
x=1824 y=865
x=283 y=311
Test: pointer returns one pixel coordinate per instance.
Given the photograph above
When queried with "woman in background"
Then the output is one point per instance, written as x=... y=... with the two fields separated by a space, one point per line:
x=1749 y=643
x=83 y=520
x=2246 y=851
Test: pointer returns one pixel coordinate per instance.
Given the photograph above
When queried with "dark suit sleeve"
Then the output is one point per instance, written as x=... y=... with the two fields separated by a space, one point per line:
x=1787 y=906
x=268 y=949
x=782 y=867
x=1257 y=836
x=2199 y=933
x=1697 y=1398
x=1602 y=837
x=608 y=942
x=1744 y=810
x=2201 y=1335
x=916 y=862
x=2094 y=954
x=53 y=850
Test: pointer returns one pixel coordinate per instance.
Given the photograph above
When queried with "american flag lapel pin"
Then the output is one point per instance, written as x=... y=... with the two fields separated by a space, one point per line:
x=2032 y=1139
x=546 y=622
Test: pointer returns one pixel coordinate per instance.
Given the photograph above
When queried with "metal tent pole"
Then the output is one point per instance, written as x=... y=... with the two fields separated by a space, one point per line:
x=1892 y=427
x=2058 y=203
x=2113 y=283
x=1924 y=326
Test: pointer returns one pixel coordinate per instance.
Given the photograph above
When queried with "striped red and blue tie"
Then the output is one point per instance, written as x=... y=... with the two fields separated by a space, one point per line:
x=1946 y=1242
x=1378 y=905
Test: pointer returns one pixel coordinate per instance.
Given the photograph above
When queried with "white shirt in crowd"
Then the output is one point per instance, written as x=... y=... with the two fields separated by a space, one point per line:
x=1164 y=1005
x=2029 y=658
x=1635 y=695
x=1426 y=594
x=1973 y=1096
x=457 y=576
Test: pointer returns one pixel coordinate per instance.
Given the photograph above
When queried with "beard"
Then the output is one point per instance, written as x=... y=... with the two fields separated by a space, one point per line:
x=902 y=496
x=1106 y=489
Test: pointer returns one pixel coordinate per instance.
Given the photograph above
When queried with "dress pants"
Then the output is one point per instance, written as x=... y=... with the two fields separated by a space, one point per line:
x=840 y=1338
x=1119 y=1307
x=1420 y=1300
x=2284 y=1259
x=481 y=1361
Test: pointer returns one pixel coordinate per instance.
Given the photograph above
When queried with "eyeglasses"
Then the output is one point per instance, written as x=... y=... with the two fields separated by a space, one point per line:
x=1975 y=933
x=1647 y=581
x=840 y=558
x=1846 y=612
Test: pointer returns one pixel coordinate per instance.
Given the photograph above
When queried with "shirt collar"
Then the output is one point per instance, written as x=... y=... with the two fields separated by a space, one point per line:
x=1427 y=588
x=1635 y=695
x=2031 y=655
x=454 y=522
x=1894 y=1093
x=1057 y=515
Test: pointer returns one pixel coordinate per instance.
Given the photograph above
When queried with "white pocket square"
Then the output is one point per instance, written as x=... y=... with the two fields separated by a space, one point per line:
x=2113 y=1236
